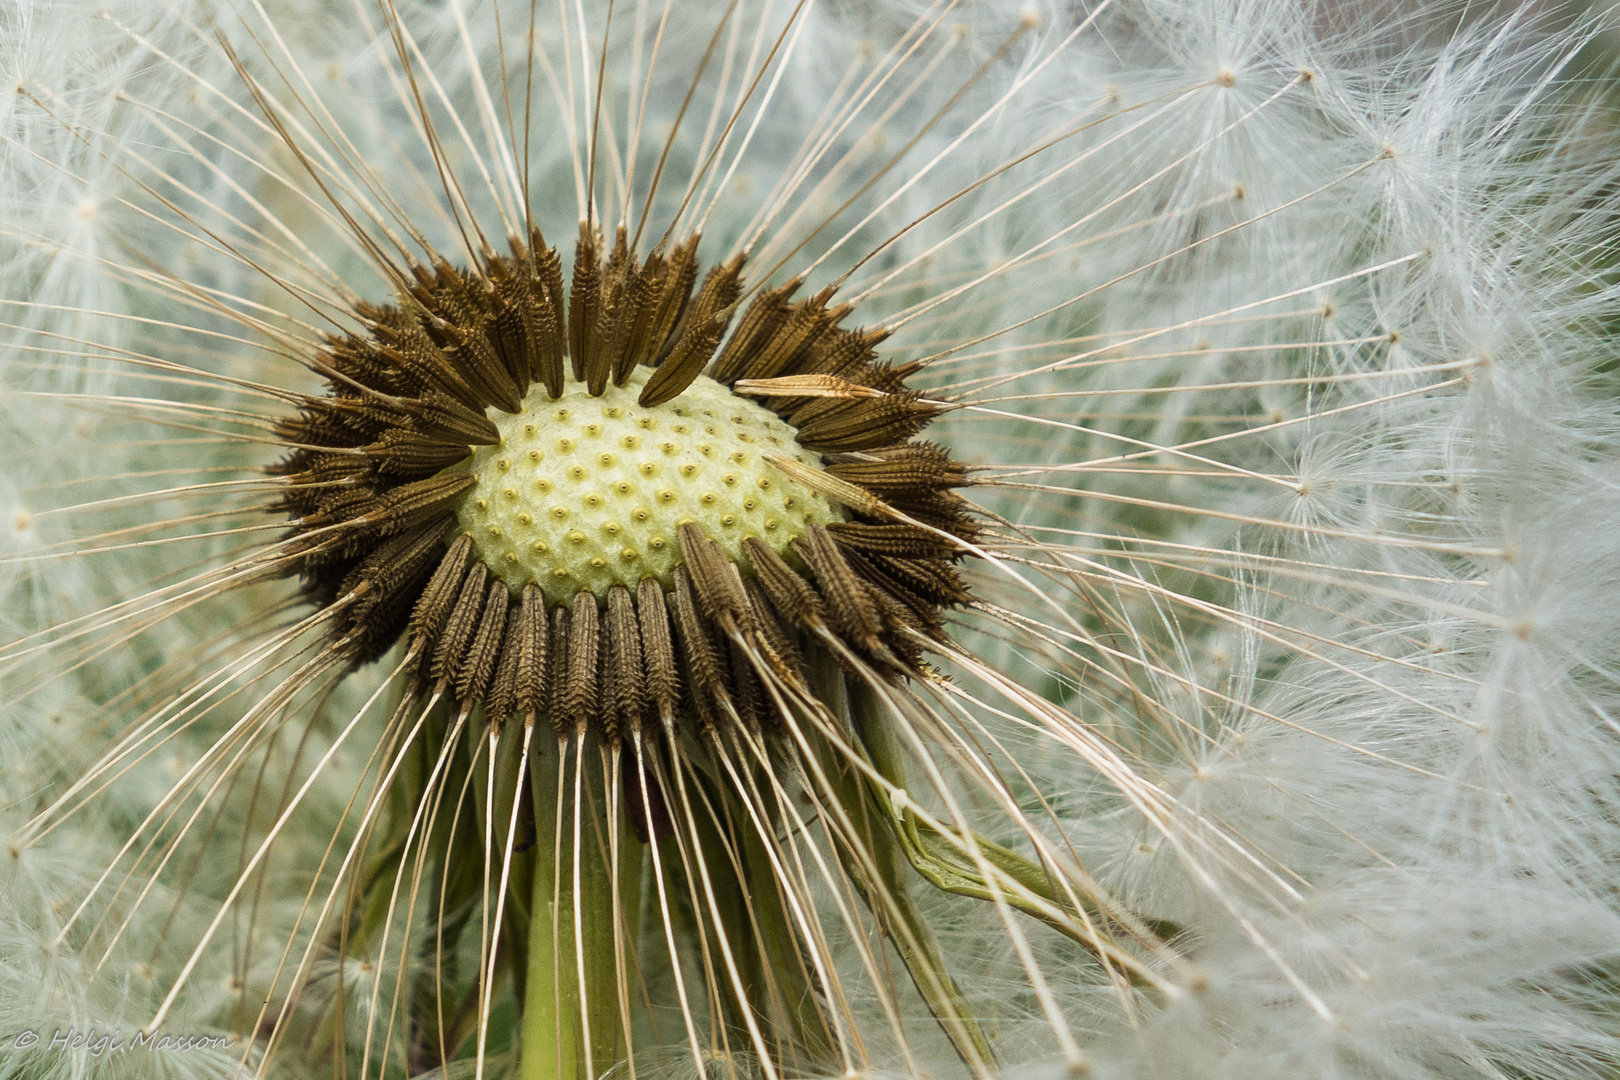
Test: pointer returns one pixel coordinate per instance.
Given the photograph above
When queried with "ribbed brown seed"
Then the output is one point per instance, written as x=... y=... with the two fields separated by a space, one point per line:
x=395 y=574
x=437 y=413
x=901 y=541
x=557 y=670
x=363 y=360
x=686 y=363
x=581 y=698
x=942 y=510
x=584 y=300
x=617 y=315
x=679 y=282
x=599 y=348
x=851 y=609
x=897 y=620
x=844 y=351
x=663 y=681
x=703 y=666
x=868 y=423
x=888 y=377
x=509 y=335
x=613 y=290
x=433 y=287
x=634 y=322
x=433 y=607
x=477 y=666
x=722 y=287
x=746 y=697
x=482 y=339
x=765 y=315
x=839 y=353
x=327 y=422
x=332 y=498
x=532 y=645
x=404 y=506
x=336 y=421
x=407 y=345
x=325 y=470
x=405 y=453
x=460 y=627
x=789 y=593
x=603 y=722
x=626 y=697
x=525 y=252
x=791 y=344
x=509 y=330
x=466 y=343
x=805 y=411
x=546 y=361
x=396 y=561
x=933 y=579
x=675 y=293
x=503 y=691
x=714 y=578
x=698 y=335
x=906 y=469
x=779 y=646
x=872 y=376
x=333 y=503
x=912 y=607
x=340 y=504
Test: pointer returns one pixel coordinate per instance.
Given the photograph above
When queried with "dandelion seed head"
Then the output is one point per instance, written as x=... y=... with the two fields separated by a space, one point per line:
x=1250 y=715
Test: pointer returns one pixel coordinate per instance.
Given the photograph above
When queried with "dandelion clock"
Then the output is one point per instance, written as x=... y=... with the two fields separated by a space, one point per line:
x=769 y=540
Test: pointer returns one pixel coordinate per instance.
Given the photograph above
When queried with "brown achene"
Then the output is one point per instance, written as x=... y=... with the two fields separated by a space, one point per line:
x=373 y=478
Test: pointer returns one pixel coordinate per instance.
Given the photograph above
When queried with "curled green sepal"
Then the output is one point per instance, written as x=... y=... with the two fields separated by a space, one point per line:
x=944 y=857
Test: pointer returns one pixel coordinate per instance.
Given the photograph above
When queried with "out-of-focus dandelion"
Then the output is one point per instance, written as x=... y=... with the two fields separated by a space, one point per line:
x=645 y=538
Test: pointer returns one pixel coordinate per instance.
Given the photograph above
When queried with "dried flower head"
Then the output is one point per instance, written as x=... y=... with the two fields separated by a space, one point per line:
x=636 y=475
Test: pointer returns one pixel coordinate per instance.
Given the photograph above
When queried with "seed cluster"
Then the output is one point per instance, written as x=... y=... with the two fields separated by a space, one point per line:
x=683 y=589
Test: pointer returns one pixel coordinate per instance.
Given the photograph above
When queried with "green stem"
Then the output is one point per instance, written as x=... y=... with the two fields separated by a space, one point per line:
x=597 y=912
x=880 y=877
x=550 y=1006
x=794 y=996
x=571 y=986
